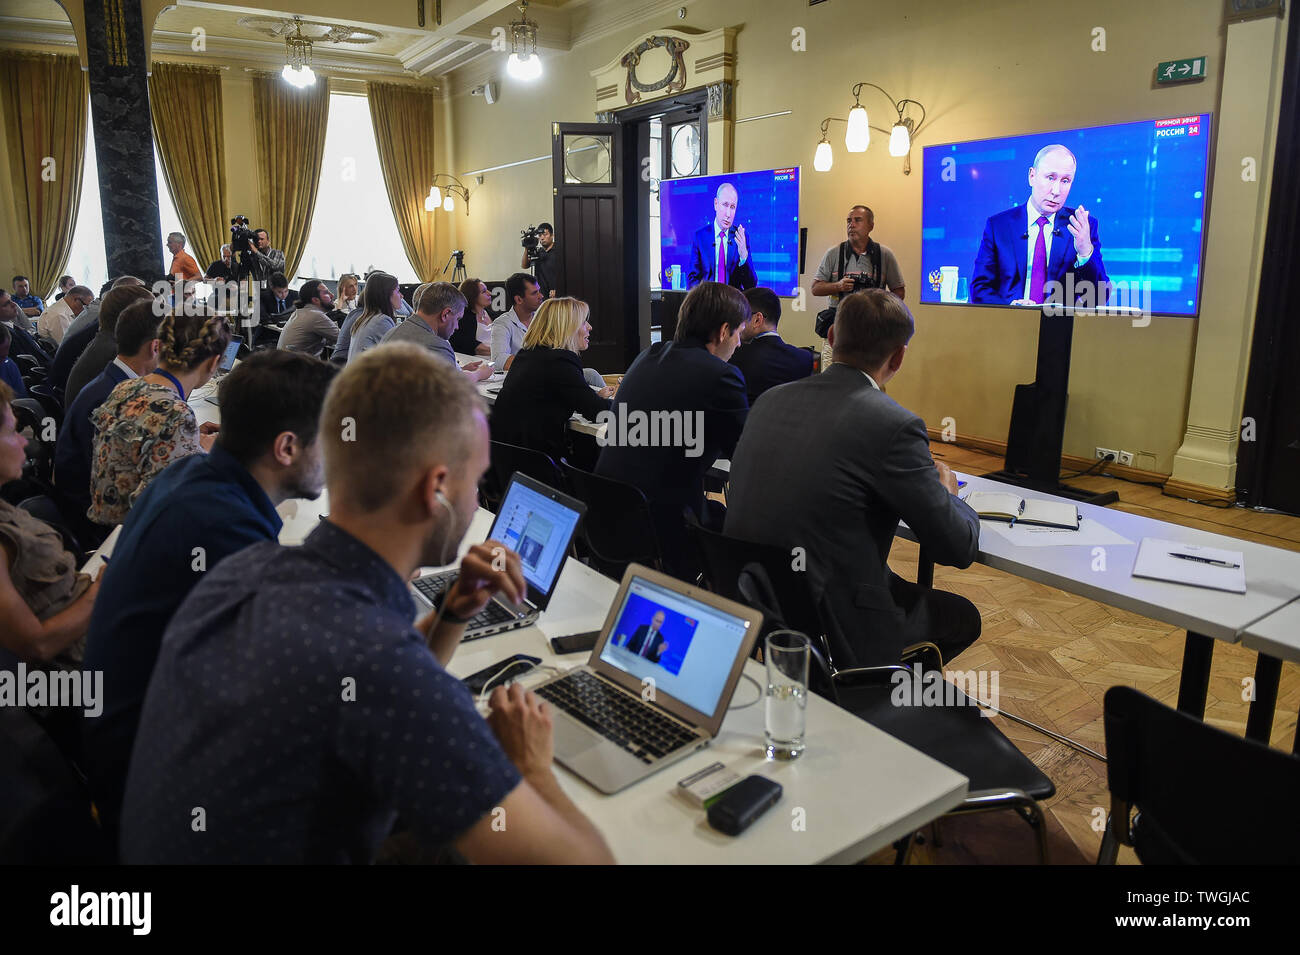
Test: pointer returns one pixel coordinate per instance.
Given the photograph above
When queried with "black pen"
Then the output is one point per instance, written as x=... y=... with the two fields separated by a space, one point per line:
x=1213 y=562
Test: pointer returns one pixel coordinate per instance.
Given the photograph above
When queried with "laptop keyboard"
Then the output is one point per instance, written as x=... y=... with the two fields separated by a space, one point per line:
x=616 y=715
x=433 y=587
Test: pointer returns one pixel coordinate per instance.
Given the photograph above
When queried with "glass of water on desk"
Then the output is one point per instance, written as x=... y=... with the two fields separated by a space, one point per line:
x=787 y=655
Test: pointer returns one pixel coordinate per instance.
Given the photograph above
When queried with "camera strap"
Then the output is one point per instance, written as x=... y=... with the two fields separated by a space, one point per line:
x=873 y=257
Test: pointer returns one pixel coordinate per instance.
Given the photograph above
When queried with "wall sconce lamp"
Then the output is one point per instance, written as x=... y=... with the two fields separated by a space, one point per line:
x=454 y=187
x=857 y=137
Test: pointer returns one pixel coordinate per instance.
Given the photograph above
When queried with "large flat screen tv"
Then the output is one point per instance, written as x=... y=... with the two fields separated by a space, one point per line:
x=757 y=209
x=1142 y=186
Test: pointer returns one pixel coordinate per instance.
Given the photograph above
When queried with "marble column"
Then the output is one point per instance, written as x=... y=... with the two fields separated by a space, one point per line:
x=119 y=109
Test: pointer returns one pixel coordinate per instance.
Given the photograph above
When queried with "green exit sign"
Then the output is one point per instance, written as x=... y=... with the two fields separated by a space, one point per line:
x=1178 y=71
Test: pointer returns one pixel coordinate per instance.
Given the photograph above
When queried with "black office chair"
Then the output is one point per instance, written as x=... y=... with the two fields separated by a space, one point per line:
x=952 y=732
x=45 y=508
x=618 y=529
x=48 y=345
x=31 y=368
x=51 y=400
x=1202 y=796
x=510 y=458
x=45 y=809
x=29 y=416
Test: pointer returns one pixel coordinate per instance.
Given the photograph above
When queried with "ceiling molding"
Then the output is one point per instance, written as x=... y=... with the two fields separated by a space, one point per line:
x=24 y=30
x=250 y=52
x=609 y=17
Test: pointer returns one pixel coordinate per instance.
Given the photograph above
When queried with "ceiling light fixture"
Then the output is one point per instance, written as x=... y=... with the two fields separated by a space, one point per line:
x=858 y=135
x=524 y=63
x=444 y=197
x=297 y=68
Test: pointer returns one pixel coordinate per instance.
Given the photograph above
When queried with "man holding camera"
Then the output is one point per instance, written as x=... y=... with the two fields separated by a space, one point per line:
x=546 y=258
x=853 y=265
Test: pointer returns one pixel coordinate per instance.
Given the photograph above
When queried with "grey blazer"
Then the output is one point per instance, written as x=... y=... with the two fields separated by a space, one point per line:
x=830 y=464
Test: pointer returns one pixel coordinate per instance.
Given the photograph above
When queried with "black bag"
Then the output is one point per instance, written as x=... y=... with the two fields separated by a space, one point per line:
x=826 y=317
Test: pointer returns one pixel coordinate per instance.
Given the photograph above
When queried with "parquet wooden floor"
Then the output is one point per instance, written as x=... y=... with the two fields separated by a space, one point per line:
x=1057 y=654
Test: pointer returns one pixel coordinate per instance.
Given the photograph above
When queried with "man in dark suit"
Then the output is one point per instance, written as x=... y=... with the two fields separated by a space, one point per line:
x=679 y=408
x=828 y=470
x=763 y=358
x=136 y=332
x=707 y=249
x=648 y=639
x=1025 y=250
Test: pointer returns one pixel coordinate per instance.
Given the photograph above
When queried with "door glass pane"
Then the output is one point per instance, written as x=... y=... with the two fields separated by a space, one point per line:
x=686 y=150
x=656 y=173
x=587 y=158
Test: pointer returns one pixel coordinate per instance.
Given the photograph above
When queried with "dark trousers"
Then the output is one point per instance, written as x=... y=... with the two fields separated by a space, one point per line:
x=947 y=620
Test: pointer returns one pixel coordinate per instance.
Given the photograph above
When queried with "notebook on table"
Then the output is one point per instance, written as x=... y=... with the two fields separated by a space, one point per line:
x=1191 y=564
x=1014 y=509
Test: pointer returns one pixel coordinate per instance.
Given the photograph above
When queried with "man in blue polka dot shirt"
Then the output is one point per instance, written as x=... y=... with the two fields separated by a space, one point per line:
x=296 y=714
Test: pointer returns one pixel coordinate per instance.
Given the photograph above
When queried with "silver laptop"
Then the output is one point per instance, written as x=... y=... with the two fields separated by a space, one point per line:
x=658 y=683
x=538 y=523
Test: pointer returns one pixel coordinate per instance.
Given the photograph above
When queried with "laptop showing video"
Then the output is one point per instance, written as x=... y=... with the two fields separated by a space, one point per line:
x=658 y=683
x=538 y=523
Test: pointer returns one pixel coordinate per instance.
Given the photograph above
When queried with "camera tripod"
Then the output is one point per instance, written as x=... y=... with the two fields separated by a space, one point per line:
x=458 y=274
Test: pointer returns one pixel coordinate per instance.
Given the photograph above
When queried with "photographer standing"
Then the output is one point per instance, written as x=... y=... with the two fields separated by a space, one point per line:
x=268 y=260
x=853 y=265
x=546 y=257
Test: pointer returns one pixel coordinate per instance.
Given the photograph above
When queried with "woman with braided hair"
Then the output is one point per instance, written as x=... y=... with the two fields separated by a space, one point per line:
x=146 y=423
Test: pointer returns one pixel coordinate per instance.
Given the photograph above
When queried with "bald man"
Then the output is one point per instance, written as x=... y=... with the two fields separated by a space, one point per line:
x=1029 y=247
x=720 y=251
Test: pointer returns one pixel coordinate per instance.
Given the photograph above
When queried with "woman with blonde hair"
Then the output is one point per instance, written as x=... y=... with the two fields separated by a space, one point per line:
x=475 y=328
x=346 y=300
x=146 y=423
x=545 y=385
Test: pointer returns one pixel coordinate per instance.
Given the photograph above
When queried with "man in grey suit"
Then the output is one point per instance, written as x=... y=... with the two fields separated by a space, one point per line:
x=830 y=464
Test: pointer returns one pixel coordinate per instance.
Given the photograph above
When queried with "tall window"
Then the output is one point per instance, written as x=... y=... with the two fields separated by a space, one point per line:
x=88 y=261
x=352 y=227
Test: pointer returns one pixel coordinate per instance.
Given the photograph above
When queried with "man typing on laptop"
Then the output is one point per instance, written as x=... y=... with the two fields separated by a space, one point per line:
x=294 y=701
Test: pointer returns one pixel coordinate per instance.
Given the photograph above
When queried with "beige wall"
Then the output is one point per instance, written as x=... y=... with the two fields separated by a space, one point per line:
x=982 y=70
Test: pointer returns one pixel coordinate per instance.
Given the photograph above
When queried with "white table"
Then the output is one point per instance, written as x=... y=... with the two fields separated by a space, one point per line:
x=1272 y=581
x=1276 y=638
x=859 y=789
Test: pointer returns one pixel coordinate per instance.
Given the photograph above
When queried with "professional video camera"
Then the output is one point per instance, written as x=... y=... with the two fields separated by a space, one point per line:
x=528 y=239
x=242 y=238
x=243 y=244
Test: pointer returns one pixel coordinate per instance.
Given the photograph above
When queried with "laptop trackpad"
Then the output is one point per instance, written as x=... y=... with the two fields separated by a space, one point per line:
x=572 y=738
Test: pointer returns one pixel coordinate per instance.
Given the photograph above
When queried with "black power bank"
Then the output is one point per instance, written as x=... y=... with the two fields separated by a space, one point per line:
x=743 y=803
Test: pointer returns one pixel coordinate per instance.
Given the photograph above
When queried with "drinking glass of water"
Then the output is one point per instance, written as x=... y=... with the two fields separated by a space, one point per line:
x=787 y=656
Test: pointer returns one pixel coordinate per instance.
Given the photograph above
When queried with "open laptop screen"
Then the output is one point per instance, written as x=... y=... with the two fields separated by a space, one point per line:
x=232 y=351
x=686 y=647
x=537 y=528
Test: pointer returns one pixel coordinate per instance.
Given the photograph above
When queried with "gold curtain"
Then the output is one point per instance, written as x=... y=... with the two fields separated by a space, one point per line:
x=44 y=99
x=290 y=148
x=403 y=120
x=187 y=126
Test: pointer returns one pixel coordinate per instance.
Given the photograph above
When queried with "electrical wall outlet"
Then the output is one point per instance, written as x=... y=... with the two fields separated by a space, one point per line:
x=1104 y=453
x=1126 y=457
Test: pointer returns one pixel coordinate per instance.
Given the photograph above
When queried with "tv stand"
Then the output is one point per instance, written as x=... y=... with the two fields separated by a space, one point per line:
x=1037 y=432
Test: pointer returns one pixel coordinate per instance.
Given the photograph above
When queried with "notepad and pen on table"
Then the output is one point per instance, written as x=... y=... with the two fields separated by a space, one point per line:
x=1014 y=509
x=1191 y=564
